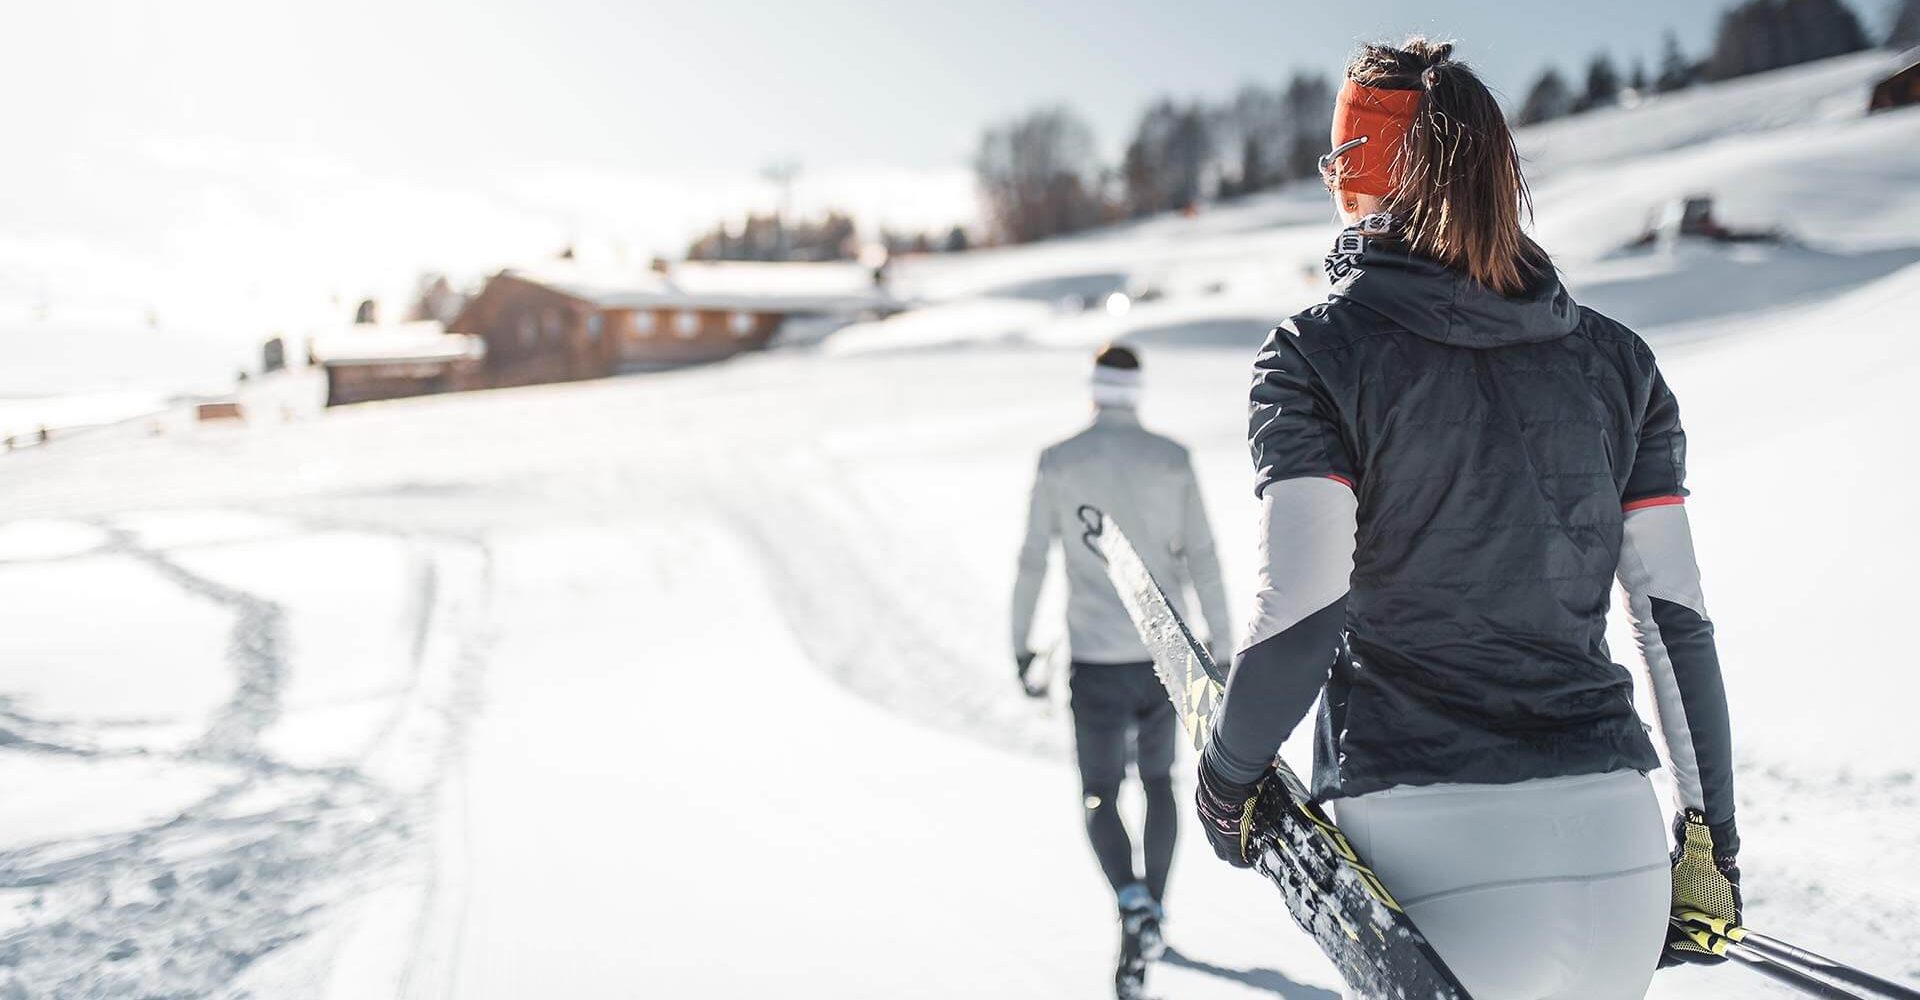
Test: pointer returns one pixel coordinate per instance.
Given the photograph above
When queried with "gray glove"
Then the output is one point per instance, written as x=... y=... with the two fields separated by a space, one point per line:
x=1024 y=660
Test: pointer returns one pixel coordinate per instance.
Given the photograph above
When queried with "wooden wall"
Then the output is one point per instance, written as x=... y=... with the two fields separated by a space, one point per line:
x=535 y=334
x=364 y=383
x=1897 y=91
x=656 y=338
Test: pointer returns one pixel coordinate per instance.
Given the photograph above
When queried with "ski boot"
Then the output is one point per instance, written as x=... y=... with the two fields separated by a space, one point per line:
x=1140 y=916
x=1130 y=977
x=1140 y=941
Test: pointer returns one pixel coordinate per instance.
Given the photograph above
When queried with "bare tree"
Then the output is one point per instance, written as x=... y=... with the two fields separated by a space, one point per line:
x=1038 y=176
x=1256 y=136
x=434 y=297
x=1310 y=121
x=1768 y=34
x=782 y=174
x=1170 y=158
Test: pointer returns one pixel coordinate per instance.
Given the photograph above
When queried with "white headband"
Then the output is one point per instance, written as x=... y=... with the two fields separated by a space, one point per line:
x=1116 y=386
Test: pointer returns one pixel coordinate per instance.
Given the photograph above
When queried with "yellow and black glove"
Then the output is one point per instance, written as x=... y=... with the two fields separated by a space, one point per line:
x=1706 y=893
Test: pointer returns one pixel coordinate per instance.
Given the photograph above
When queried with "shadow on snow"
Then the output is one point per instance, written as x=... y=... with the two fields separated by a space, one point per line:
x=1271 y=980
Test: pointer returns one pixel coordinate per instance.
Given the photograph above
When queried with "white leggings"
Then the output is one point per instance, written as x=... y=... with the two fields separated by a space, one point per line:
x=1554 y=889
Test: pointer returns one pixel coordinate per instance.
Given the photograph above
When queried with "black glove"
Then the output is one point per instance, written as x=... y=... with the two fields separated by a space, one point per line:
x=1024 y=660
x=1706 y=892
x=1226 y=813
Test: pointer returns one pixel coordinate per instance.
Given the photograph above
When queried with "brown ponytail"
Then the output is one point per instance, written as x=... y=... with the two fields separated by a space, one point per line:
x=1458 y=193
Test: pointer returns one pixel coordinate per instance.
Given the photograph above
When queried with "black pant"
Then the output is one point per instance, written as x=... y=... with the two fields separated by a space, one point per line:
x=1111 y=701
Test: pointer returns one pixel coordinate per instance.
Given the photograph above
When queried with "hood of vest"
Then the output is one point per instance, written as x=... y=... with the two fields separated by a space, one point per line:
x=1441 y=304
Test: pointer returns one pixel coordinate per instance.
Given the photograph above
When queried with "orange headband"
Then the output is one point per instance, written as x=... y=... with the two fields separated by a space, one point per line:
x=1383 y=117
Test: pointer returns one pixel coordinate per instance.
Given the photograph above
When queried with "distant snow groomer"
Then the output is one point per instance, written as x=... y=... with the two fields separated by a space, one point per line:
x=1455 y=461
x=1146 y=483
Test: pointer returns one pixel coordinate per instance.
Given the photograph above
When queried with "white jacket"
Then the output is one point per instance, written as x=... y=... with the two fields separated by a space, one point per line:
x=1145 y=482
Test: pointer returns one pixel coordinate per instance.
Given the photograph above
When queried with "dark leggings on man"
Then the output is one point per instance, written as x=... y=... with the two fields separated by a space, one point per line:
x=1112 y=701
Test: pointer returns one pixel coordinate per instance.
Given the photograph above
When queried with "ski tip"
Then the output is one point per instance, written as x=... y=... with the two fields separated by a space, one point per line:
x=1094 y=520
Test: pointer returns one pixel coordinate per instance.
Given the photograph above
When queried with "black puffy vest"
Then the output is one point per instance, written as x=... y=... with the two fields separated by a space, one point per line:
x=1491 y=442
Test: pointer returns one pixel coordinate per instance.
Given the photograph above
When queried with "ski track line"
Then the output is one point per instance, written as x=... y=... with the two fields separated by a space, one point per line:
x=184 y=906
x=450 y=867
x=868 y=621
x=255 y=648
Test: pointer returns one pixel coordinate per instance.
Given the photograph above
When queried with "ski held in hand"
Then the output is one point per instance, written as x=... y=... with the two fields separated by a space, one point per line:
x=1329 y=890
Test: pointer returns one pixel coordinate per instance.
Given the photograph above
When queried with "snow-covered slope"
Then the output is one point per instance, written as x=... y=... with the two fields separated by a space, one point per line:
x=1829 y=90
x=1790 y=149
x=694 y=684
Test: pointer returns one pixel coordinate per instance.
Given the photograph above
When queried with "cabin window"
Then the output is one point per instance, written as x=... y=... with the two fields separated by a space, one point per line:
x=687 y=324
x=593 y=326
x=551 y=321
x=741 y=323
x=529 y=330
x=643 y=323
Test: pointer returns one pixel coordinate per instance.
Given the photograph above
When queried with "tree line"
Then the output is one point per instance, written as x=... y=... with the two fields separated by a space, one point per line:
x=1754 y=37
x=1040 y=174
x=833 y=236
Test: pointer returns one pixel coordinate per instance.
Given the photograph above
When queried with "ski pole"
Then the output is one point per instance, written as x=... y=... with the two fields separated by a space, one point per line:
x=1797 y=967
x=1782 y=952
x=1786 y=975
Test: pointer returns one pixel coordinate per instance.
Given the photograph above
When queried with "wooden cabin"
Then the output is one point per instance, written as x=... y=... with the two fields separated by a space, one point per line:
x=1900 y=90
x=567 y=322
x=534 y=333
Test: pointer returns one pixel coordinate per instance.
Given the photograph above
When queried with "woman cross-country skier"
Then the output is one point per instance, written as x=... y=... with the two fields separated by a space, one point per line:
x=1454 y=462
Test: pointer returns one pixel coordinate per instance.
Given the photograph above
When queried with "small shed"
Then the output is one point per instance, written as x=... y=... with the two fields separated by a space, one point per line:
x=369 y=361
x=1900 y=90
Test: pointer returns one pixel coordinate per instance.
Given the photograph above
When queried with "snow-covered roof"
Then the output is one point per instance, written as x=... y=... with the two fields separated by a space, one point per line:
x=393 y=343
x=742 y=285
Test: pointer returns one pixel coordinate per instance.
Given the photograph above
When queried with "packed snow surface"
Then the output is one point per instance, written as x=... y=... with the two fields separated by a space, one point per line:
x=694 y=683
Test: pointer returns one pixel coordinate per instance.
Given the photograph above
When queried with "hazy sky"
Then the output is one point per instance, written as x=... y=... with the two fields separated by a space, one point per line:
x=725 y=84
x=225 y=163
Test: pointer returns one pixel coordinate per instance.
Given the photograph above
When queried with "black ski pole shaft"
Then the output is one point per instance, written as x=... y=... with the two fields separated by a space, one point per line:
x=1805 y=982
x=1781 y=951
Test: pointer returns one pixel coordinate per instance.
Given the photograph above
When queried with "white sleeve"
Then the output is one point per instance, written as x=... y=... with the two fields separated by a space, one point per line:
x=1669 y=614
x=1307 y=548
x=1041 y=531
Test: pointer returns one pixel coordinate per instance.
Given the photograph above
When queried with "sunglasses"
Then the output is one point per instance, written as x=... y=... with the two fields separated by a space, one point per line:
x=1327 y=158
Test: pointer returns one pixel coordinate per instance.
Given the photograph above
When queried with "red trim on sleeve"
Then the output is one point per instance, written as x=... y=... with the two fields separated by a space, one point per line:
x=1668 y=501
x=1342 y=480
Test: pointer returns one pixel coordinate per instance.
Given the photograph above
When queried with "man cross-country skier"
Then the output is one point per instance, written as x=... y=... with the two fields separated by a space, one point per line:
x=1146 y=483
x=1455 y=462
